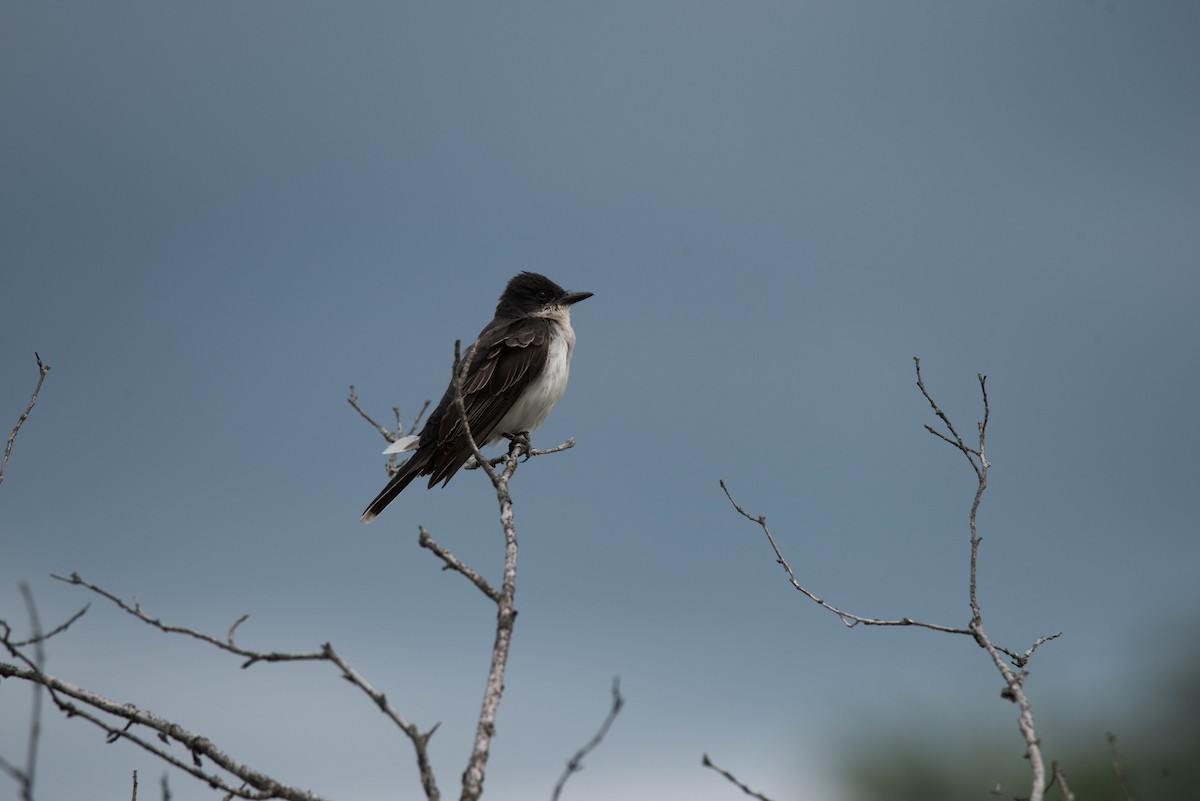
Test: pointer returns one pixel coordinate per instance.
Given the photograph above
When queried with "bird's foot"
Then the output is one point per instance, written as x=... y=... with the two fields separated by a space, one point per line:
x=520 y=438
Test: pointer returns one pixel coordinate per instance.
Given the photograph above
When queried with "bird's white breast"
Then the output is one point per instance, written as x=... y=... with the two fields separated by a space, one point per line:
x=539 y=397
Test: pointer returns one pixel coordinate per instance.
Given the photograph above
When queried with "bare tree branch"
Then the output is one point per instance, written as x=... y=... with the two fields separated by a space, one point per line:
x=1059 y=778
x=135 y=609
x=1117 y=769
x=847 y=618
x=708 y=763
x=90 y=703
x=390 y=436
x=453 y=563
x=502 y=596
x=473 y=464
x=25 y=776
x=1020 y=660
x=575 y=763
x=42 y=370
x=326 y=653
x=506 y=612
x=59 y=629
x=1013 y=678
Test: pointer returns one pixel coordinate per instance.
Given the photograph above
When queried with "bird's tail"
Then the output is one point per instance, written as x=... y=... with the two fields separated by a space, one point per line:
x=408 y=471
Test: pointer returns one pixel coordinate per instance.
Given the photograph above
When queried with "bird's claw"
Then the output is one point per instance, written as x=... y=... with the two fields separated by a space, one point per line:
x=521 y=438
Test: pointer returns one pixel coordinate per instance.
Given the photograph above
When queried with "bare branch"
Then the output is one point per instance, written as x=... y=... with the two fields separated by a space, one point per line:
x=416 y=420
x=957 y=442
x=35 y=714
x=390 y=436
x=1059 y=778
x=1021 y=660
x=42 y=370
x=506 y=612
x=847 y=618
x=326 y=653
x=453 y=563
x=708 y=763
x=1116 y=763
x=575 y=763
x=90 y=703
x=228 y=644
x=1013 y=678
x=458 y=372
x=26 y=776
x=353 y=401
x=59 y=629
x=420 y=740
x=16 y=774
x=473 y=464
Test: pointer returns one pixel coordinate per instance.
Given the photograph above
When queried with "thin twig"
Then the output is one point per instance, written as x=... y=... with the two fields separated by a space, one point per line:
x=957 y=442
x=1116 y=763
x=575 y=763
x=1058 y=777
x=42 y=370
x=1020 y=660
x=35 y=714
x=59 y=629
x=454 y=563
x=390 y=436
x=708 y=763
x=848 y=618
x=26 y=775
x=227 y=644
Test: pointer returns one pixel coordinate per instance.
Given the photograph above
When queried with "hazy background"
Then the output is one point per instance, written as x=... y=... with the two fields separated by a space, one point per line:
x=215 y=217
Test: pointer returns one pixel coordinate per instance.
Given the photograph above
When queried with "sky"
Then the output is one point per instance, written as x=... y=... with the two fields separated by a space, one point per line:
x=217 y=217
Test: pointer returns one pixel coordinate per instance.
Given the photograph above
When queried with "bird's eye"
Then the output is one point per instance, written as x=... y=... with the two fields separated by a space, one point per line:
x=543 y=295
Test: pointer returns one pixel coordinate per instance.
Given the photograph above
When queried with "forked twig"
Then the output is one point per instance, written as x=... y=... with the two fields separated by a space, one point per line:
x=1013 y=675
x=575 y=763
x=42 y=370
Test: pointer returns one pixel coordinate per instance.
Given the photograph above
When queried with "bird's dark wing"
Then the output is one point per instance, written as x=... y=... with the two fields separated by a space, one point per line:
x=508 y=355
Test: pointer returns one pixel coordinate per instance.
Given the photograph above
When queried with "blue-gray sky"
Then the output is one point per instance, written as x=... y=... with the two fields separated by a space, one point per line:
x=215 y=217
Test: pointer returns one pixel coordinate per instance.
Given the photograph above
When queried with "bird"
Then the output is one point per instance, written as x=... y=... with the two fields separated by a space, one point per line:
x=516 y=371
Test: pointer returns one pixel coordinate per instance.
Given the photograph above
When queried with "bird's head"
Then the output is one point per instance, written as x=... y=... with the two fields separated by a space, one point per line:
x=530 y=294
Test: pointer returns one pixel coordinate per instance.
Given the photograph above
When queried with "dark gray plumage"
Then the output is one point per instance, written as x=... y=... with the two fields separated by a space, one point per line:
x=518 y=371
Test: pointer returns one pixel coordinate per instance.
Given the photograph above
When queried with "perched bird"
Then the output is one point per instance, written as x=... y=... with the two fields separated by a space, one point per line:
x=517 y=371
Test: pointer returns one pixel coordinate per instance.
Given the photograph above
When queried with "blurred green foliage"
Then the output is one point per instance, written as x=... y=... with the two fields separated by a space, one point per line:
x=1158 y=747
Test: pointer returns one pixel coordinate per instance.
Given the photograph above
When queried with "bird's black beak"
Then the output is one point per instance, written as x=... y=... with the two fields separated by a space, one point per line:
x=575 y=297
